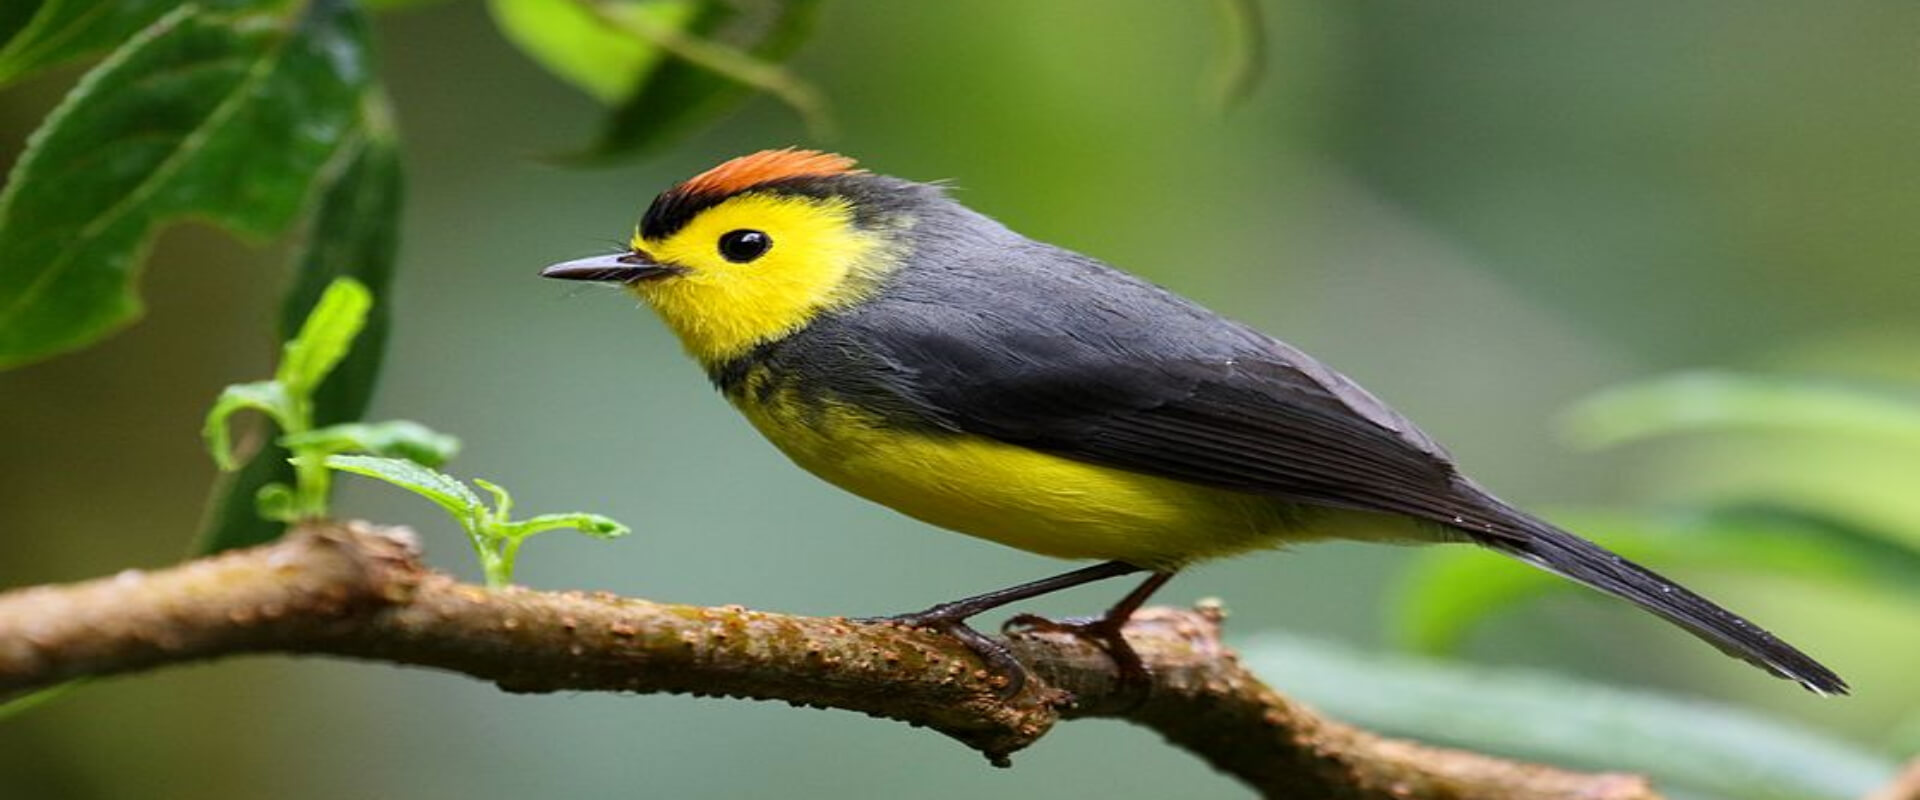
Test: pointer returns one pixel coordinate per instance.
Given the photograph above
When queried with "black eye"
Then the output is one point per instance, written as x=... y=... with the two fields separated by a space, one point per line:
x=744 y=245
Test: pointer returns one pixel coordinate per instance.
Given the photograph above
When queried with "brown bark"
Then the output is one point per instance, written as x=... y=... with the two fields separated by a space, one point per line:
x=356 y=591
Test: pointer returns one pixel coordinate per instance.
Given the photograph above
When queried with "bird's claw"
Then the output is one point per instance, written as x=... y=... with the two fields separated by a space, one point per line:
x=1106 y=632
x=997 y=656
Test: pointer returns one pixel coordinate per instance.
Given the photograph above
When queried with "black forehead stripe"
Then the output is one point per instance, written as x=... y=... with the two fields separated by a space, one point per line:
x=673 y=209
x=872 y=197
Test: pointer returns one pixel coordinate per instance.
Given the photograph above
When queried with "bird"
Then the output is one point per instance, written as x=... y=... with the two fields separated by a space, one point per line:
x=920 y=354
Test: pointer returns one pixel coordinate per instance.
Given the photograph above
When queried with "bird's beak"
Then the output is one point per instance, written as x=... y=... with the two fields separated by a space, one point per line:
x=627 y=267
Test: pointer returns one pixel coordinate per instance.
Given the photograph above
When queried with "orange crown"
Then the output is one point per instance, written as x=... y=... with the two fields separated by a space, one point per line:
x=767 y=165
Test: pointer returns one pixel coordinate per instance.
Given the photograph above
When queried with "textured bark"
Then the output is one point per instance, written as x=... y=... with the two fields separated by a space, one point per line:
x=357 y=591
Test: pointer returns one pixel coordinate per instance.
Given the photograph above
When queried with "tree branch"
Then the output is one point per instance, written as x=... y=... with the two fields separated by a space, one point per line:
x=356 y=591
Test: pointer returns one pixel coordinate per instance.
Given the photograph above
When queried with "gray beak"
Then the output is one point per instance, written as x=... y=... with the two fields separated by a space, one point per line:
x=614 y=268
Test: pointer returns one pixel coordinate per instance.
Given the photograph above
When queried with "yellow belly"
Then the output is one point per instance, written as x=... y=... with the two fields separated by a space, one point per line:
x=1028 y=499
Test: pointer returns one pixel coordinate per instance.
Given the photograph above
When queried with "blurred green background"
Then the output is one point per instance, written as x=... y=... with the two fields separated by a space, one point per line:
x=1483 y=211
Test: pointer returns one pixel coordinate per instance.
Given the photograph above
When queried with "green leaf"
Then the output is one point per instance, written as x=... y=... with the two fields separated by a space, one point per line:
x=305 y=362
x=14 y=17
x=21 y=704
x=392 y=439
x=277 y=502
x=593 y=525
x=574 y=45
x=221 y=116
x=1699 y=402
x=1702 y=747
x=1243 y=56
x=324 y=338
x=1449 y=590
x=353 y=234
x=496 y=539
x=502 y=504
x=266 y=397
x=753 y=37
x=434 y=485
x=47 y=33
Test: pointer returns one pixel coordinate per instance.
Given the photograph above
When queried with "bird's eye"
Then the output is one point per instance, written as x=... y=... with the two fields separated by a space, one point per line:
x=744 y=245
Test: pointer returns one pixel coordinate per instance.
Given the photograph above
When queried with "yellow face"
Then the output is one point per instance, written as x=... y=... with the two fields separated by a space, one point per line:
x=757 y=267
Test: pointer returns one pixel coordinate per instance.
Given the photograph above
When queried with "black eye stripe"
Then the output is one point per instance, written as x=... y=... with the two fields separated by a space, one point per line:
x=743 y=245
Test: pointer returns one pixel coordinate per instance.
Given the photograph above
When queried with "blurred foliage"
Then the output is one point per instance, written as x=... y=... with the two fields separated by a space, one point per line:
x=1751 y=529
x=665 y=67
x=577 y=47
x=1847 y=450
x=1719 y=403
x=1447 y=591
x=1690 y=747
x=722 y=51
x=41 y=34
x=1244 y=59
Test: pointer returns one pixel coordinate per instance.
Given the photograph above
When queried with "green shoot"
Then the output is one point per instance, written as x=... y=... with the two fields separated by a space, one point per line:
x=287 y=399
x=495 y=536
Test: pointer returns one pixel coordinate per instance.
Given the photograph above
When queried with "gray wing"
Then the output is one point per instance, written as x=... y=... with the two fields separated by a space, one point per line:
x=1095 y=365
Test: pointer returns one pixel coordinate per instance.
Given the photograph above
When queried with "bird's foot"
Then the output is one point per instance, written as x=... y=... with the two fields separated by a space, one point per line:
x=1106 y=632
x=943 y=619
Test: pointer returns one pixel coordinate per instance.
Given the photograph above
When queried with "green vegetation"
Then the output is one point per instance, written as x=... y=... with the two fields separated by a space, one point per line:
x=1644 y=196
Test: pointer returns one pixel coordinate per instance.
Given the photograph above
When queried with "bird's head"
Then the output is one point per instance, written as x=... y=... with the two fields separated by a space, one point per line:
x=754 y=249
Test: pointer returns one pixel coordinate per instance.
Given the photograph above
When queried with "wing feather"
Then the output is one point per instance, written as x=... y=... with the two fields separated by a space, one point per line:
x=1252 y=415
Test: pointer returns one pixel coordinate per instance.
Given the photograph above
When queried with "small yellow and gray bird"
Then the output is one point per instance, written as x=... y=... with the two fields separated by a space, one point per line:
x=923 y=356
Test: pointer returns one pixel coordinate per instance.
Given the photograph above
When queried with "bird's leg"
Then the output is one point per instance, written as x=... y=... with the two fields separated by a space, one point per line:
x=951 y=618
x=1105 y=629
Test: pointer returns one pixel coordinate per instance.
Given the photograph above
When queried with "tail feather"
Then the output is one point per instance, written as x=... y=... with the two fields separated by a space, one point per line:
x=1547 y=547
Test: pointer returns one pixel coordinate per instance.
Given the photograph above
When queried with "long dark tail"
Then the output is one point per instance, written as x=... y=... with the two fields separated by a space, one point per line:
x=1541 y=544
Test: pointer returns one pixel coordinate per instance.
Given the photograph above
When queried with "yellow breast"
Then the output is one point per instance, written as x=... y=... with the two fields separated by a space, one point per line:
x=1024 y=498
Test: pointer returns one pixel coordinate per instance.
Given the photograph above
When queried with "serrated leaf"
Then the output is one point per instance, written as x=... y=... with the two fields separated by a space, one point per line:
x=680 y=96
x=325 y=337
x=1702 y=747
x=48 y=33
x=593 y=525
x=574 y=45
x=1698 y=402
x=391 y=439
x=266 y=397
x=1449 y=590
x=353 y=234
x=221 y=116
x=434 y=485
